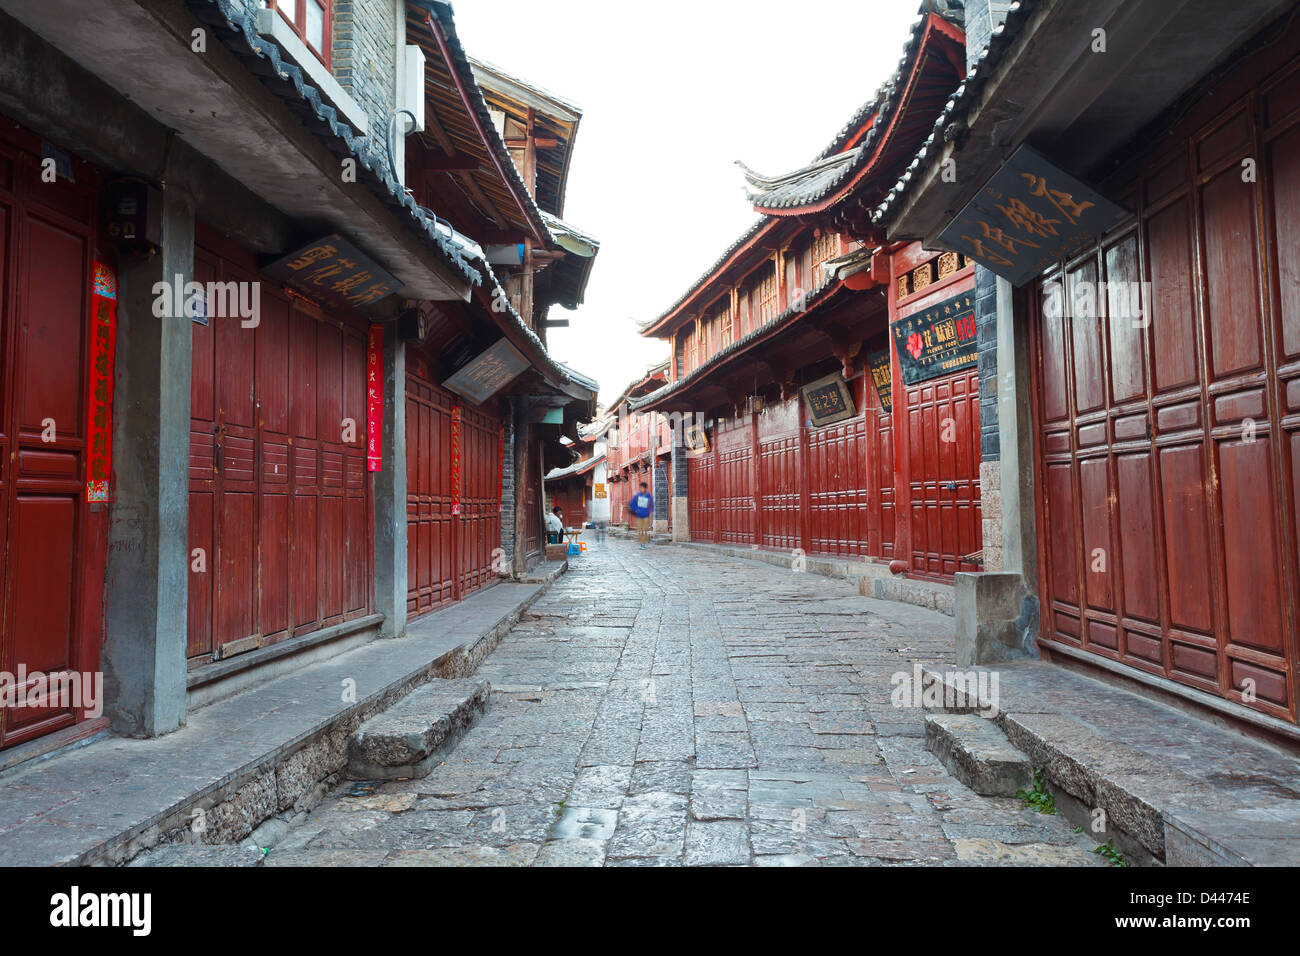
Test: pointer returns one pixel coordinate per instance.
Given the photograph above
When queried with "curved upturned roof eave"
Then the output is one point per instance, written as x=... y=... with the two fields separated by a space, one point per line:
x=872 y=140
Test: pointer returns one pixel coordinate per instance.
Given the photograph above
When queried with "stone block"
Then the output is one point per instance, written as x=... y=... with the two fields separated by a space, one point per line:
x=409 y=738
x=997 y=618
x=978 y=754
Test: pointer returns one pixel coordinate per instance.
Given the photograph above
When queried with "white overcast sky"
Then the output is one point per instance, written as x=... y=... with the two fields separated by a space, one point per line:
x=672 y=93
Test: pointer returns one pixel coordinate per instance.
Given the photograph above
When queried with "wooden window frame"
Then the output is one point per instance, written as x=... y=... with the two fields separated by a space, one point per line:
x=298 y=24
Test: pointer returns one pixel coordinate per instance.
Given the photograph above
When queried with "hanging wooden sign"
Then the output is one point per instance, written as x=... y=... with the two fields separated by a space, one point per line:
x=487 y=373
x=937 y=341
x=103 y=339
x=374 y=398
x=336 y=272
x=1029 y=215
x=829 y=400
x=882 y=376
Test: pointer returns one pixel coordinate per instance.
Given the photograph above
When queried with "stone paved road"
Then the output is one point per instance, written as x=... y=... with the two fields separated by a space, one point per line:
x=675 y=706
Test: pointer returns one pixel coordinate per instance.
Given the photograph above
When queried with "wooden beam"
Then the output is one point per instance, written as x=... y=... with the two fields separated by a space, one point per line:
x=437 y=164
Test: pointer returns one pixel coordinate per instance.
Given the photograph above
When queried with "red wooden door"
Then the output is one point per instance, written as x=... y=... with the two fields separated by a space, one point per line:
x=943 y=434
x=735 y=482
x=779 y=492
x=279 y=494
x=703 y=496
x=1171 y=444
x=839 y=494
x=480 y=502
x=52 y=545
x=453 y=520
x=430 y=538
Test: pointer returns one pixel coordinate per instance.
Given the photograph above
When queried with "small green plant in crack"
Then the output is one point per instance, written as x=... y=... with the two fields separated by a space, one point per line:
x=1039 y=798
x=559 y=808
x=1115 y=857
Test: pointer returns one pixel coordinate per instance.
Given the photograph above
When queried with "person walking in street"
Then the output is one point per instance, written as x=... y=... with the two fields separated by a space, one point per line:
x=642 y=507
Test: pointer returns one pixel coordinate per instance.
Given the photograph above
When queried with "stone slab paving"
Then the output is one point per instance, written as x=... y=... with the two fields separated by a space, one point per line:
x=675 y=707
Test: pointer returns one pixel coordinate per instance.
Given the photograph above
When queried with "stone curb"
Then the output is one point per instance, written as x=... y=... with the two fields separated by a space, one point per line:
x=295 y=775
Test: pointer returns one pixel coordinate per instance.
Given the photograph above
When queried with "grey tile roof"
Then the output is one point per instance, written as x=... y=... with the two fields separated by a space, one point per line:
x=833 y=165
x=287 y=80
x=958 y=108
x=819 y=179
x=803 y=185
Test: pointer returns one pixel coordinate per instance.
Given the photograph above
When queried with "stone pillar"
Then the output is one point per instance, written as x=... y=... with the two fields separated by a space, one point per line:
x=998 y=612
x=147 y=580
x=1019 y=530
x=390 y=493
x=681 y=512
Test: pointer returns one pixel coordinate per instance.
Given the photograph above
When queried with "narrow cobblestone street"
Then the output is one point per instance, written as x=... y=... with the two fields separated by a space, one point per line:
x=674 y=706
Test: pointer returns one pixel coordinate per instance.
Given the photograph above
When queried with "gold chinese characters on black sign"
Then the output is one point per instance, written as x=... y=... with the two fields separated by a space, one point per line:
x=334 y=271
x=829 y=400
x=1029 y=215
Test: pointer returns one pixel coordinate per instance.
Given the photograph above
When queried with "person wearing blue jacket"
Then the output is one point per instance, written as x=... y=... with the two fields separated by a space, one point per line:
x=642 y=507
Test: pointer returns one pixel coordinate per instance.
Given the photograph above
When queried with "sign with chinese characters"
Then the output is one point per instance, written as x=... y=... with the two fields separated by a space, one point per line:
x=333 y=271
x=829 y=400
x=487 y=373
x=598 y=489
x=103 y=339
x=696 y=440
x=374 y=398
x=882 y=376
x=937 y=341
x=1029 y=215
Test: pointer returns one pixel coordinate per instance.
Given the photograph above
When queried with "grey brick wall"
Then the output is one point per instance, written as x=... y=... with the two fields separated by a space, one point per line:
x=660 y=490
x=364 y=61
x=681 y=474
x=986 y=322
x=982 y=17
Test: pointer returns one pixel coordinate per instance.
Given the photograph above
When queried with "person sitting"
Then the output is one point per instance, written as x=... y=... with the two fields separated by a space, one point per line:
x=554 y=525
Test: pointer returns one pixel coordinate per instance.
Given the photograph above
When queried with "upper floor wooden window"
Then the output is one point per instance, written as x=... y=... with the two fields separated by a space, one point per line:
x=768 y=308
x=826 y=246
x=310 y=19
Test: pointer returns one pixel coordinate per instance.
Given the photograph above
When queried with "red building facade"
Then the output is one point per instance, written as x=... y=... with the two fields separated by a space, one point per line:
x=783 y=354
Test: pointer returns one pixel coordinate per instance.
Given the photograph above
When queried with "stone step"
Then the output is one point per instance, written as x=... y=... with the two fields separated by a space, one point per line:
x=412 y=737
x=978 y=754
x=926 y=594
x=199 y=854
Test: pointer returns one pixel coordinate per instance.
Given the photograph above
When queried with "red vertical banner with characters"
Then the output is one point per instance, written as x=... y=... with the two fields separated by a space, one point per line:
x=99 y=417
x=374 y=398
x=455 y=459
